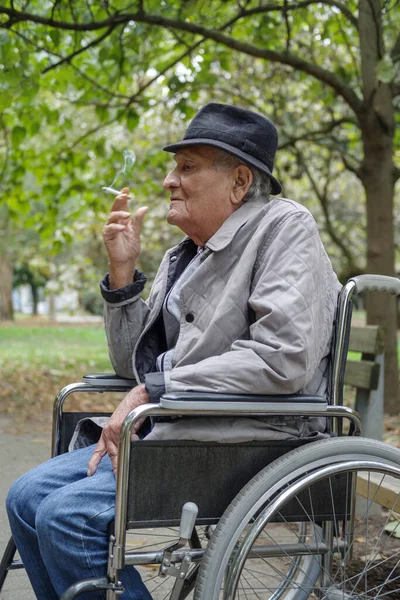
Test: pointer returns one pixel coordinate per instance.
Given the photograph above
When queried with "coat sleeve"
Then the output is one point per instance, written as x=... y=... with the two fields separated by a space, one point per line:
x=125 y=314
x=293 y=297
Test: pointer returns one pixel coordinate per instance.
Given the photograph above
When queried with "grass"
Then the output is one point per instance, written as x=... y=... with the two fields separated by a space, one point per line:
x=38 y=358
x=56 y=347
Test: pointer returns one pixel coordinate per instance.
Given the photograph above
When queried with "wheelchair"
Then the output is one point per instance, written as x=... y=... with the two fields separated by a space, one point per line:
x=258 y=520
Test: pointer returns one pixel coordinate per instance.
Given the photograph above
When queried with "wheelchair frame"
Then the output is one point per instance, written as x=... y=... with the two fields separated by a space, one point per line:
x=196 y=404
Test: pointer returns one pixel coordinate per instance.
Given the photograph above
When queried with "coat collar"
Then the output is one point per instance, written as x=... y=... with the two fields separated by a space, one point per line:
x=233 y=223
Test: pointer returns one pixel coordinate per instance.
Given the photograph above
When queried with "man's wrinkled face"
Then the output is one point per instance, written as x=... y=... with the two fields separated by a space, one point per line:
x=200 y=195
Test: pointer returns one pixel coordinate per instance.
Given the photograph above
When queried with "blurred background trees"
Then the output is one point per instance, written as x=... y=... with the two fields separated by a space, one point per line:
x=82 y=81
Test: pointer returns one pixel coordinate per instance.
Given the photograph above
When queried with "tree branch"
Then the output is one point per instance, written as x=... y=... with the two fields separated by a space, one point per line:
x=313 y=135
x=55 y=6
x=85 y=135
x=121 y=61
x=323 y=200
x=134 y=96
x=118 y=17
x=376 y=17
x=395 y=53
x=304 y=4
x=68 y=59
x=93 y=82
x=353 y=168
x=97 y=85
x=287 y=58
x=163 y=71
x=88 y=6
x=7 y=150
x=287 y=24
x=349 y=49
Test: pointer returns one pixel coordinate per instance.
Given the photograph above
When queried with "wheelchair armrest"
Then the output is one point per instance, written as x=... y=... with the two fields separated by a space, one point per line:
x=249 y=403
x=109 y=380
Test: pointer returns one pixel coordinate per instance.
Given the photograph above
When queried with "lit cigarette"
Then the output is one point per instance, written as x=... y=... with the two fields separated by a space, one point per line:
x=111 y=190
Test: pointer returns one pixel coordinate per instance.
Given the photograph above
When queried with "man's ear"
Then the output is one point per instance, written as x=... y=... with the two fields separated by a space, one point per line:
x=242 y=180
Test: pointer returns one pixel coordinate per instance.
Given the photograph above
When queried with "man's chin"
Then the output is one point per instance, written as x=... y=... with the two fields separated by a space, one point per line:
x=173 y=217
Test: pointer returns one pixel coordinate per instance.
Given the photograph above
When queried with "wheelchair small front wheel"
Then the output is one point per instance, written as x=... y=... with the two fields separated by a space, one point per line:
x=350 y=548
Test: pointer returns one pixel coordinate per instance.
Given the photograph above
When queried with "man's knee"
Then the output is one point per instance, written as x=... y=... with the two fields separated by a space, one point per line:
x=51 y=515
x=19 y=497
x=65 y=513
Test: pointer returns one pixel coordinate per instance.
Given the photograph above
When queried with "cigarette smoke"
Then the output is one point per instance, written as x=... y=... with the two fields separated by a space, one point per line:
x=129 y=161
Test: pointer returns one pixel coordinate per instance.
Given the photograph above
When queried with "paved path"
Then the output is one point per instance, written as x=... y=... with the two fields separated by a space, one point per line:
x=18 y=454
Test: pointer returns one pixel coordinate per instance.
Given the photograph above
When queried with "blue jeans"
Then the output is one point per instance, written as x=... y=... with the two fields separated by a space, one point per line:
x=59 y=519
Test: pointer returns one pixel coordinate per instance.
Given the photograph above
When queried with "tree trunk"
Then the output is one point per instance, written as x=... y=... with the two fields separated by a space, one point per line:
x=6 y=268
x=377 y=174
x=35 y=299
x=6 y=278
x=378 y=180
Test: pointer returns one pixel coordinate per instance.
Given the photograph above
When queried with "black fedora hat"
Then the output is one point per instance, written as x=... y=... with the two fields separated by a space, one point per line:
x=243 y=133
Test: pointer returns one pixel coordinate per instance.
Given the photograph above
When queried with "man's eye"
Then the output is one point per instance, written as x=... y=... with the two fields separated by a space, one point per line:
x=187 y=167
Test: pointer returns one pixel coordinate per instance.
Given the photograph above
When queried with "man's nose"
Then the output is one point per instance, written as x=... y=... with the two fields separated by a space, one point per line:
x=171 y=181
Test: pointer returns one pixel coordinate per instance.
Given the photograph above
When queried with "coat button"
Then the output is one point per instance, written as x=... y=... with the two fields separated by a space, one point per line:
x=189 y=317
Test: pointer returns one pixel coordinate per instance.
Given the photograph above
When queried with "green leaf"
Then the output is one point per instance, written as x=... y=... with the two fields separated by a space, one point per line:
x=31 y=90
x=55 y=36
x=393 y=528
x=18 y=135
x=102 y=113
x=104 y=54
x=385 y=69
x=52 y=116
x=30 y=222
x=24 y=208
x=34 y=127
x=99 y=148
x=132 y=120
x=4 y=37
x=18 y=172
x=56 y=248
x=9 y=119
x=46 y=232
x=20 y=207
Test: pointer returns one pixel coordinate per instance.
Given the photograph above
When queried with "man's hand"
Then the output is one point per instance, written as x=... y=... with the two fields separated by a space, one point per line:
x=108 y=443
x=121 y=236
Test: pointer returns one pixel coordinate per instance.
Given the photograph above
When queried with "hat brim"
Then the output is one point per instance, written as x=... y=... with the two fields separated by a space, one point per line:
x=276 y=187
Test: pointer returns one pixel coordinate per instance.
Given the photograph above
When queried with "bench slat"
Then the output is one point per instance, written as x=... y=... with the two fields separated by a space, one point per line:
x=386 y=492
x=362 y=374
x=367 y=339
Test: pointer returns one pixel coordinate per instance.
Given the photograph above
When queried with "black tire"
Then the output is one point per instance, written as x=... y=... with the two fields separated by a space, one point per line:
x=260 y=492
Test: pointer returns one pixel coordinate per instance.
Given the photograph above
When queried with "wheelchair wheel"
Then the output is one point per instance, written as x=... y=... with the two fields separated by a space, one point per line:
x=351 y=547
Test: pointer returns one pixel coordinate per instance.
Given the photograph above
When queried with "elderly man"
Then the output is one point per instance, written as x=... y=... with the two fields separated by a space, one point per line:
x=244 y=304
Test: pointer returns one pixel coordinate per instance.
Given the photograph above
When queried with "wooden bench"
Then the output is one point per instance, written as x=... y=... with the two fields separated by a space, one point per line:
x=384 y=492
x=367 y=376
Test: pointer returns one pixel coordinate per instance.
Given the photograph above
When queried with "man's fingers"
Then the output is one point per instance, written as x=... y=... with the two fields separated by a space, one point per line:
x=137 y=426
x=118 y=215
x=110 y=231
x=121 y=201
x=112 y=451
x=139 y=217
x=99 y=452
